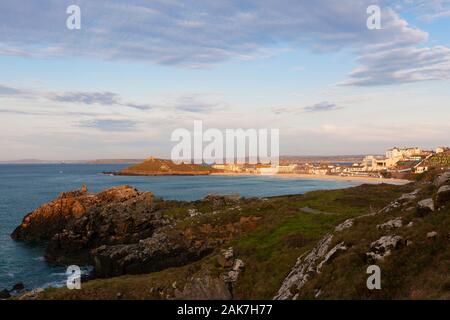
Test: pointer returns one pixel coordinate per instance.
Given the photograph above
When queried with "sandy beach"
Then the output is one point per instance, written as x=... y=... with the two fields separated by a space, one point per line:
x=371 y=180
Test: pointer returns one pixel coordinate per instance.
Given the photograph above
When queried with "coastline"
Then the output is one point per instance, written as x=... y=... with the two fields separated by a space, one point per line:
x=304 y=176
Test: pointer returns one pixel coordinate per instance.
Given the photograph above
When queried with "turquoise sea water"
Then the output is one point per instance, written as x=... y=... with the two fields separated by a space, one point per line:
x=25 y=187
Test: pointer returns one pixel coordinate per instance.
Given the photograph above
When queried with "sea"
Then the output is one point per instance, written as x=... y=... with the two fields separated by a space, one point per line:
x=24 y=187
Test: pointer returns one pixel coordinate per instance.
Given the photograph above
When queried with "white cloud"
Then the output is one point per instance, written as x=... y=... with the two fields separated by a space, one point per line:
x=402 y=65
x=193 y=33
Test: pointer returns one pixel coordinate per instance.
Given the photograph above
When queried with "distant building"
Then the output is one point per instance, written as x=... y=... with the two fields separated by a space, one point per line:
x=401 y=153
x=229 y=167
x=442 y=149
x=371 y=163
x=287 y=168
x=267 y=170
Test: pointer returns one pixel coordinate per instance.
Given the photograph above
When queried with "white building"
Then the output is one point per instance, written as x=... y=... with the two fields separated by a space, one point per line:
x=401 y=153
x=371 y=163
x=287 y=169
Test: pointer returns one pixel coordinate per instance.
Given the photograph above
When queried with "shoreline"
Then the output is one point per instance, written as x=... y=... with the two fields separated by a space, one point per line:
x=370 y=180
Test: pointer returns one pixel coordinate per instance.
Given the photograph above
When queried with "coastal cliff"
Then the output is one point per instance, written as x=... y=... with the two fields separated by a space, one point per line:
x=315 y=246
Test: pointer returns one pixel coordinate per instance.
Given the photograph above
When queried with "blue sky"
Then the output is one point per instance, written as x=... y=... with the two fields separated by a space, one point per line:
x=137 y=70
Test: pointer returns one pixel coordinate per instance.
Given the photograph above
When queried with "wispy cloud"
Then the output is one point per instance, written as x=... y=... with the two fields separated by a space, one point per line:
x=161 y=32
x=317 y=107
x=401 y=65
x=196 y=104
x=104 y=98
x=101 y=98
x=321 y=107
x=109 y=125
x=9 y=91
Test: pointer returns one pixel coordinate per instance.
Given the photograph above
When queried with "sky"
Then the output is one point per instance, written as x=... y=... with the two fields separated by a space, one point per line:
x=137 y=70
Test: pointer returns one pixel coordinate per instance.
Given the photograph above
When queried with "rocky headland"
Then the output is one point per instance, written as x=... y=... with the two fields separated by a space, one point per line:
x=228 y=247
x=162 y=167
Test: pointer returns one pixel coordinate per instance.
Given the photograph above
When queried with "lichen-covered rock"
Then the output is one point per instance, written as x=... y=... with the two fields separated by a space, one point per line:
x=381 y=248
x=409 y=196
x=391 y=224
x=331 y=254
x=344 y=225
x=231 y=276
x=225 y=258
x=303 y=270
x=425 y=207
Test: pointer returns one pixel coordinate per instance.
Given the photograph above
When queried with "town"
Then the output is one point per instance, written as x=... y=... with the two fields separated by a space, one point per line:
x=396 y=162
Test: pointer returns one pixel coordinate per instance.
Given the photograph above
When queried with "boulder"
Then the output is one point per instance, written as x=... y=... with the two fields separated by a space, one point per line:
x=425 y=207
x=344 y=225
x=443 y=196
x=225 y=258
x=391 y=224
x=382 y=247
x=442 y=179
x=231 y=276
x=432 y=234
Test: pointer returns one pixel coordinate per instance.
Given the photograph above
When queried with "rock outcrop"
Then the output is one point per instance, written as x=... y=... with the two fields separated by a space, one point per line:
x=443 y=196
x=306 y=267
x=381 y=248
x=124 y=231
x=124 y=218
x=442 y=179
x=53 y=217
x=311 y=264
x=391 y=224
x=78 y=221
x=162 y=250
x=205 y=284
x=344 y=225
x=425 y=207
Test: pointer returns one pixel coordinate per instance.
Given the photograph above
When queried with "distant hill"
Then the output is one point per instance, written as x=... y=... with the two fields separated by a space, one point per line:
x=154 y=166
x=114 y=161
